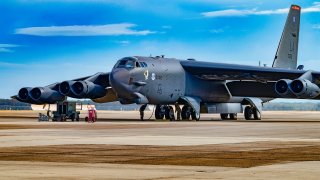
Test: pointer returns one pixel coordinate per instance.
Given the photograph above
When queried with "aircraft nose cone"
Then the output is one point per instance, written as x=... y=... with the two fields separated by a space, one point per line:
x=119 y=80
x=120 y=76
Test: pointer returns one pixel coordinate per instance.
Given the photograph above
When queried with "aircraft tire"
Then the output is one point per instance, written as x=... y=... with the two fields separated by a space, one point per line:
x=186 y=112
x=233 y=116
x=194 y=116
x=169 y=113
x=248 y=113
x=224 y=116
x=256 y=114
x=158 y=112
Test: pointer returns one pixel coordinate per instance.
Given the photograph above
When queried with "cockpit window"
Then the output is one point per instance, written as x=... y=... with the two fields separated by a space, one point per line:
x=122 y=63
x=128 y=63
x=137 y=64
x=141 y=64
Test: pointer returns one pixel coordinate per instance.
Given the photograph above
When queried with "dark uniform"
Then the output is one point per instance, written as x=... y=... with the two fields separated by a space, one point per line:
x=142 y=108
x=178 y=111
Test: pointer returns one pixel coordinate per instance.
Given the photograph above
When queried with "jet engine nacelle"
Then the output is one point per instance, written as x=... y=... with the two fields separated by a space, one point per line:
x=43 y=95
x=303 y=88
x=282 y=88
x=23 y=94
x=65 y=88
x=87 y=89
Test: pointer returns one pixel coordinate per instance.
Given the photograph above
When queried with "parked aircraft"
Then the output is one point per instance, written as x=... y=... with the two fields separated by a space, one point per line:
x=201 y=87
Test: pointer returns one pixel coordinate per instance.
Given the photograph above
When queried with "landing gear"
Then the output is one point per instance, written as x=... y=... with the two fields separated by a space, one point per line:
x=188 y=112
x=256 y=114
x=159 y=112
x=232 y=116
x=224 y=116
x=251 y=113
x=164 y=111
x=169 y=113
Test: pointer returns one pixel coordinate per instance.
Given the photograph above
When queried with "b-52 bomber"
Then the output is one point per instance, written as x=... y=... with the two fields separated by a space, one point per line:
x=200 y=87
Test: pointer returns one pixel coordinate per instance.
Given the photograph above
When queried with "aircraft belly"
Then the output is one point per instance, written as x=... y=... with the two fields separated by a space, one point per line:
x=207 y=91
x=252 y=89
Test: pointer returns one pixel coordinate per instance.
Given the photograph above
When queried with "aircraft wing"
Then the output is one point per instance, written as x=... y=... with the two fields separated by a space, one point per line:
x=95 y=87
x=223 y=71
x=249 y=81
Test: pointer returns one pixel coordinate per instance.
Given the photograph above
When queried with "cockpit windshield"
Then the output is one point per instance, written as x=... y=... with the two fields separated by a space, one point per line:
x=128 y=63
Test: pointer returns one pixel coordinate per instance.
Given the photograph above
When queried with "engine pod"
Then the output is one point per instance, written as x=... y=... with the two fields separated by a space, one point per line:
x=303 y=88
x=23 y=94
x=43 y=95
x=65 y=88
x=87 y=89
x=282 y=88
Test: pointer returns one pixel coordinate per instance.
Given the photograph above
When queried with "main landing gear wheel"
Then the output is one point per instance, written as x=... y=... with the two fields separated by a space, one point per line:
x=224 y=116
x=164 y=111
x=256 y=114
x=188 y=112
x=169 y=113
x=194 y=116
x=232 y=116
x=159 y=112
x=251 y=113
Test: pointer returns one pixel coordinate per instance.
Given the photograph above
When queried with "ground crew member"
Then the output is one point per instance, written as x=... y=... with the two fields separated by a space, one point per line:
x=178 y=111
x=142 y=108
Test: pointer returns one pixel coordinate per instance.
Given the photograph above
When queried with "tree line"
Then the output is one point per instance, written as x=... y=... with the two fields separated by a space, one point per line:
x=12 y=104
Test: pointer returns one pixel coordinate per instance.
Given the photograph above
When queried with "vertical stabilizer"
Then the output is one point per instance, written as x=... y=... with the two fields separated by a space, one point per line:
x=287 y=52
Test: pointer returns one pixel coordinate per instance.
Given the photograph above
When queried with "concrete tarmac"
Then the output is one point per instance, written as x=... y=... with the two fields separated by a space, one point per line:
x=284 y=145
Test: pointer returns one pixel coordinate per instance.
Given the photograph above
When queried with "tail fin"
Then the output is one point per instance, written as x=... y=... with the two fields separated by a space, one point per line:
x=287 y=52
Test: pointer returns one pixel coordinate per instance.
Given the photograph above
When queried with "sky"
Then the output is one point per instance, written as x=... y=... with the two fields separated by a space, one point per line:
x=47 y=41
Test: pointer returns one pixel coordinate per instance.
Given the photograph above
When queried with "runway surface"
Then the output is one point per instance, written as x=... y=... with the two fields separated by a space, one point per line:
x=285 y=145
